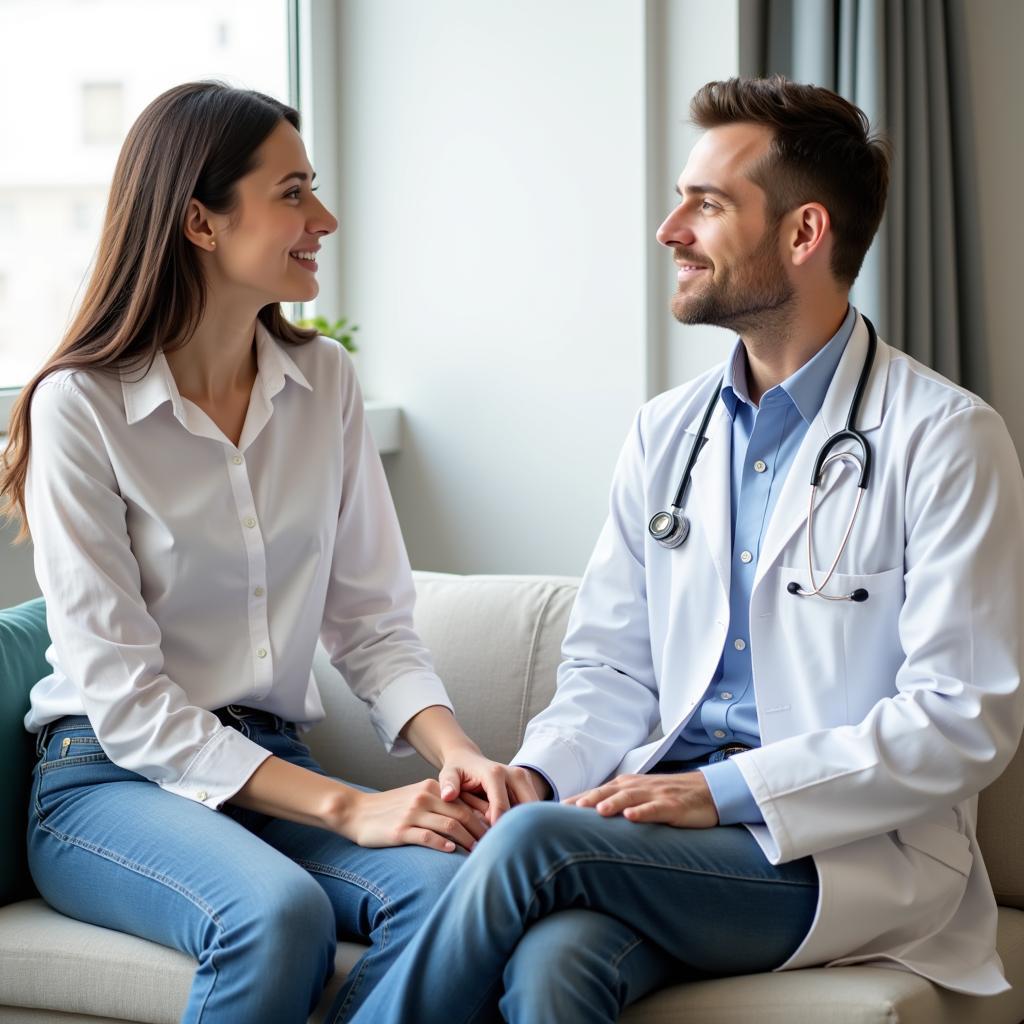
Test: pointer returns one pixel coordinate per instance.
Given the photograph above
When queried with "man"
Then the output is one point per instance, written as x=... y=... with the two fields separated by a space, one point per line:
x=845 y=705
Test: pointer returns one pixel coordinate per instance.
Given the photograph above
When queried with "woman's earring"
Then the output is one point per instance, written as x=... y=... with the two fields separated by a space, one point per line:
x=213 y=245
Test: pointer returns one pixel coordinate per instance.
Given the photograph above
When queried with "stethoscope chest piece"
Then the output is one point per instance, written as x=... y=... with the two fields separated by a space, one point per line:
x=669 y=529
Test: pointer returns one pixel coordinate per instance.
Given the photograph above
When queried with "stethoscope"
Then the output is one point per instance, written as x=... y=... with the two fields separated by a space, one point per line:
x=671 y=528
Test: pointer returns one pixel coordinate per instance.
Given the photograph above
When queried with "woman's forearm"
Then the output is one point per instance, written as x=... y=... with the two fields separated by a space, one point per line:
x=284 y=790
x=435 y=734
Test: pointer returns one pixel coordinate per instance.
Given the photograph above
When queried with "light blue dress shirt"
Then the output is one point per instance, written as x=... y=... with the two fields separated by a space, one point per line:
x=765 y=439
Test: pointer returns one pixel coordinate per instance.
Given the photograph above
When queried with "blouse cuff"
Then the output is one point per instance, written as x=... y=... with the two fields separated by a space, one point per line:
x=220 y=769
x=399 y=701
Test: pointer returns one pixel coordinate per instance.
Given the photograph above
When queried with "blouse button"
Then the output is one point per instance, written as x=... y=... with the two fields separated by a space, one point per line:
x=261 y=653
x=250 y=522
x=719 y=734
x=237 y=460
x=202 y=794
x=759 y=466
x=740 y=645
x=259 y=591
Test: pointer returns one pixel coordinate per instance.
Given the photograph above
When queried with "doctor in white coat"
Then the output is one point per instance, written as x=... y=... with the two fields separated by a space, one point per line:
x=809 y=793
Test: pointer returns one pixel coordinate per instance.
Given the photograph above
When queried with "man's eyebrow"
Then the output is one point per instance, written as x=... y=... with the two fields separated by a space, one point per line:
x=707 y=190
x=301 y=175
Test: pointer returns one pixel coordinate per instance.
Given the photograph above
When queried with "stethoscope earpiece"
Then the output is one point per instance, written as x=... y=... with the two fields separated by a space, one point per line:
x=859 y=595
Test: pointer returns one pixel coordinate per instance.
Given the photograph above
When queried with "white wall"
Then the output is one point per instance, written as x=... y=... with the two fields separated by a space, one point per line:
x=503 y=169
x=994 y=30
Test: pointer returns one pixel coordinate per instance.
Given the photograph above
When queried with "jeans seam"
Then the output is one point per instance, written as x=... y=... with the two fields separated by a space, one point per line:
x=354 y=980
x=315 y=867
x=577 y=858
x=69 y=762
x=625 y=951
x=139 y=869
x=213 y=980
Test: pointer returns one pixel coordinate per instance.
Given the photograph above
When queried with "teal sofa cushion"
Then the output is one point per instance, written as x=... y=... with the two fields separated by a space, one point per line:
x=23 y=642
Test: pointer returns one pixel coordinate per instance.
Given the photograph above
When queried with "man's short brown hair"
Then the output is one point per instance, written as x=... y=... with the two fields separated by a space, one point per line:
x=822 y=151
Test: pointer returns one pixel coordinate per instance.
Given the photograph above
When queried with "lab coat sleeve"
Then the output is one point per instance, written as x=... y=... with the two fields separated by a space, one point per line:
x=955 y=719
x=367 y=628
x=105 y=639
x=606 y=699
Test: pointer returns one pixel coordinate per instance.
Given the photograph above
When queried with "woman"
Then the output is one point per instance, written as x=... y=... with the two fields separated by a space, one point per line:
x=206 y=501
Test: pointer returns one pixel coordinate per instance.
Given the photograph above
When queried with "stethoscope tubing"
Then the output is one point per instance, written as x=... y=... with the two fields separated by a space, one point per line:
x=671 y=528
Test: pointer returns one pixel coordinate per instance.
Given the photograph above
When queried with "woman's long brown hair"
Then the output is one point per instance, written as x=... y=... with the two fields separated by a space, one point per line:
x=147 y=292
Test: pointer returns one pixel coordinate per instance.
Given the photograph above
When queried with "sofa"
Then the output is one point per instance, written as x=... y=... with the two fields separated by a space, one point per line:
x=496 y=643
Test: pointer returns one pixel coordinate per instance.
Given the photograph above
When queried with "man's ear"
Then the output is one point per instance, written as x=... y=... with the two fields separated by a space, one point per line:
x=198 y=228
x=810 y=232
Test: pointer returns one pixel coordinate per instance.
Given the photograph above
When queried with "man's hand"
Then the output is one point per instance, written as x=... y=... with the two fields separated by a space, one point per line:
x=681 y=800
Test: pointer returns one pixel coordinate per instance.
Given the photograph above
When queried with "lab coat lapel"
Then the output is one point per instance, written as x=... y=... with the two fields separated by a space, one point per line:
x=709 y=492
x=791 y=509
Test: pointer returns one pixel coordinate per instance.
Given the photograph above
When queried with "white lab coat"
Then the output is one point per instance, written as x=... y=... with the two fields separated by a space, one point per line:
x=880 y=721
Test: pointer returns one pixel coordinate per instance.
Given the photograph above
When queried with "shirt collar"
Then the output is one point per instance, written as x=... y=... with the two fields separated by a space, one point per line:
x=157 y=385
x=806 y=388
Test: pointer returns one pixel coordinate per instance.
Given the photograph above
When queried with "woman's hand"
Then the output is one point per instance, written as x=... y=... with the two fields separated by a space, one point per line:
x=408 y=816
x=682 y=800
x=467 y=774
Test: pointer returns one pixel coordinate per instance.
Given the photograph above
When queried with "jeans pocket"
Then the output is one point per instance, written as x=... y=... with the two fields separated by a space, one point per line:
x=73 y=759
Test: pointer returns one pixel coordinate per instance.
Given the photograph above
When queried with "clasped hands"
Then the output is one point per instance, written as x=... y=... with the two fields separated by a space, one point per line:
x=472 y=792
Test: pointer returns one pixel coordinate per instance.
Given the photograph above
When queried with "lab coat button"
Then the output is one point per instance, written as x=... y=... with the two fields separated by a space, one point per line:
x=759 y=466
x=739 y=644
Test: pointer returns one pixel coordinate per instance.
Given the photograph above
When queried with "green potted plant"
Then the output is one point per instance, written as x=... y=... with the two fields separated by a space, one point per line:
x=341 y=330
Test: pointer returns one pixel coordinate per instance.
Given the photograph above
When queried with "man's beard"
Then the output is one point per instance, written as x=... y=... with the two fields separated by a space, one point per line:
x=752 y=294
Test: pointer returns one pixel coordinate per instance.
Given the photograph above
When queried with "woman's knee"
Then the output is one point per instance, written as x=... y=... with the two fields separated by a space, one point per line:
x=290 y=913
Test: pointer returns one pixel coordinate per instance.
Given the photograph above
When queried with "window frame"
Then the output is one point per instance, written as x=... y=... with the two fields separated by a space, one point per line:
x=312 y=79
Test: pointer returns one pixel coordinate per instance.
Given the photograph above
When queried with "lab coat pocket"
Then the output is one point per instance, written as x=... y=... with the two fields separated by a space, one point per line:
x=945 y=845
x=833 y=645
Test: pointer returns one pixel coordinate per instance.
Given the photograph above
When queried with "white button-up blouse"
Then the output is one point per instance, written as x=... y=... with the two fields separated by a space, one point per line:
x=182 y=573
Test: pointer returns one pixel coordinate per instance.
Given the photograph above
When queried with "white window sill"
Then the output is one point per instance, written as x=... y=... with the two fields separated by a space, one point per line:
x=385 y=421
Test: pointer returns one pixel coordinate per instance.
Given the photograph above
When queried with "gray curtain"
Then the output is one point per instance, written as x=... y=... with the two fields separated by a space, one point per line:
x=903 y=62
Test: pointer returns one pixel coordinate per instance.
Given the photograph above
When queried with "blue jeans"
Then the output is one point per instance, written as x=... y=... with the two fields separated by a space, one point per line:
x=257 y=901
x=562 y=915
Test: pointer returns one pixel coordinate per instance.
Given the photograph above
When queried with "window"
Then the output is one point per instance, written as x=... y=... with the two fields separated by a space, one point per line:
x=63 y=134
x=102 y=113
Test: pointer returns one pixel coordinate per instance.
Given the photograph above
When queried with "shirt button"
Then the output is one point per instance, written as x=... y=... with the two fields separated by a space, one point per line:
x=261 y=652
x=725 y=695
x=739 y=644
x=719 y=734
x=759 y=466
x=745 y=557
x=202 y=794
x=237 y=460
x=250 y=522
x=259 y=591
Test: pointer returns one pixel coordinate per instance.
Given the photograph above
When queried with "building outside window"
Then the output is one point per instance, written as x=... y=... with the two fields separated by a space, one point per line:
x=67 y=111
